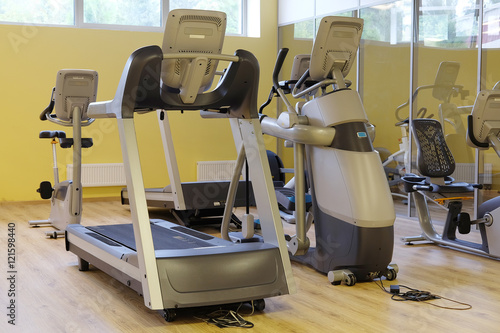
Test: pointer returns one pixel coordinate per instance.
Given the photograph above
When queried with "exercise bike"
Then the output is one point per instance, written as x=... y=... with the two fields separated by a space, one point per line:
x=74 y=90
x=352 y=204
x=443 y=89
x=483 y=133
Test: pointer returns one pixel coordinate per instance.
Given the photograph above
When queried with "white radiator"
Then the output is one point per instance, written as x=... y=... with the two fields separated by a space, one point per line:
x=464 y=172
x=215 y=170
x=100 y=174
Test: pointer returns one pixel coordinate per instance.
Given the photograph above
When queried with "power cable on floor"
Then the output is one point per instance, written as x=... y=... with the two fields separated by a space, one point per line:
x=419 y=296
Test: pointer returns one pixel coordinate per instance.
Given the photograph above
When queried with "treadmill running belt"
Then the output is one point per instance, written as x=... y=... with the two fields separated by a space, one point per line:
x=163 y=238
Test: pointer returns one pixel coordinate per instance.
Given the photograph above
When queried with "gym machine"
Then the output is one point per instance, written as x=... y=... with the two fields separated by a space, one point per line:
x=352 y=204
x=74 y=90
x=170 y=265
x=482 y=133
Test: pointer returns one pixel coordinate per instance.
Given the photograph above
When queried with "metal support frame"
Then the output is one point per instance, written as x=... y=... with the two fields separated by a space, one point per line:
x=140 y=215
x=171 y=160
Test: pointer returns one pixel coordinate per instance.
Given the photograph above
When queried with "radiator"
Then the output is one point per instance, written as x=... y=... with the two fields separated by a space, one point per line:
x=464 y=172
x=215 y=170
x=101 y=174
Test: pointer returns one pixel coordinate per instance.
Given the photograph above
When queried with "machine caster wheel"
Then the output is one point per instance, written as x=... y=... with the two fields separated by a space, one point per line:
x=391 y=274
x=169 y=315
x=350 y=280
x=342 y=275
x=259 y=304
x=336 y=277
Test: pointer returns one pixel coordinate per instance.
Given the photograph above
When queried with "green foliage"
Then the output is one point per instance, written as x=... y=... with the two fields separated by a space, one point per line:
x=119 y=12
x=123 y=12
x=37 y=11
x=304 y=30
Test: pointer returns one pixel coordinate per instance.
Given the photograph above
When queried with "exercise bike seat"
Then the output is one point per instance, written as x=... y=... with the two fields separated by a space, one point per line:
x=51 y=134
x=68 y=142
x=435 y=161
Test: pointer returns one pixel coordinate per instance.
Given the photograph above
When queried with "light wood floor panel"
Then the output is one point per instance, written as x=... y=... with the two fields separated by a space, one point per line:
x=53 y=296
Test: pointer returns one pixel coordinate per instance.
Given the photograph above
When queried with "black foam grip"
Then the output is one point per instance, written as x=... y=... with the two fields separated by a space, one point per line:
x=277 y=67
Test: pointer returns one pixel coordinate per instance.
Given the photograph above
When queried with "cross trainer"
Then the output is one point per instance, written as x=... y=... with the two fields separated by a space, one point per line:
x=351 y=200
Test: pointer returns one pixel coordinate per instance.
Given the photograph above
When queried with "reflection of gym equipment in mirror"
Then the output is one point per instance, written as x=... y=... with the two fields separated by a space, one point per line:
x=483 y=133
x=396 y=164
x=74 y=90
x=170 y=265
x=351 y=201
x=444 y=89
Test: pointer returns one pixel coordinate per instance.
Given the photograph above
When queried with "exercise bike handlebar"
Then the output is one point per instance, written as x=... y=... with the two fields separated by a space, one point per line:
x=47 y=114
x=453 y=88
x=48 y=110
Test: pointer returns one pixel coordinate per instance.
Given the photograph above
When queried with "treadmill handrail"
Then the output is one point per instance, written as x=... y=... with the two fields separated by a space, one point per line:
x=141 y=90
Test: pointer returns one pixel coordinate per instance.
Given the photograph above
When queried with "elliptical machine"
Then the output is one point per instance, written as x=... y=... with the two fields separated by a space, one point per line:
x=74 y=90
x=352 y=204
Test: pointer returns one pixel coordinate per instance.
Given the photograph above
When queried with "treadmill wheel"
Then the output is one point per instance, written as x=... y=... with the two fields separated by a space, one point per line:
x=259 y=304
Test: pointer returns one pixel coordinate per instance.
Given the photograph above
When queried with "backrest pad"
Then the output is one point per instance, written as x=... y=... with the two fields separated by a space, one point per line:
x=434 y=158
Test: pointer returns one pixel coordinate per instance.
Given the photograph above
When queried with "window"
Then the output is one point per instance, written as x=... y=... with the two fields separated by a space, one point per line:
x=304 y=30
x=59 y=12
x=449 y=24
x=309 y=28
x=389 y=22
x=146 y=15
x=123 y=12
x=491 y=24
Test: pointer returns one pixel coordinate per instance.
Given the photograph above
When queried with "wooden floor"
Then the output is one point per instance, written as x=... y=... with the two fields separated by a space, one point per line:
x=53 y=296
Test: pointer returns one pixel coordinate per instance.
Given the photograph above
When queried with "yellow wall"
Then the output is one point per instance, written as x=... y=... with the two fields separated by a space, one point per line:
x=31 y=57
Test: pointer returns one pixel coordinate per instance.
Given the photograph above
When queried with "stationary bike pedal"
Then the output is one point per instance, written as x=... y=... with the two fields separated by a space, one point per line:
x=463 y=221
x=45 y=190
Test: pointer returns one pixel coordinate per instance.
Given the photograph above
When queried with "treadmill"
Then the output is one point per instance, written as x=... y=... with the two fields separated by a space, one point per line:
x=197 y=203
x=170 y=265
